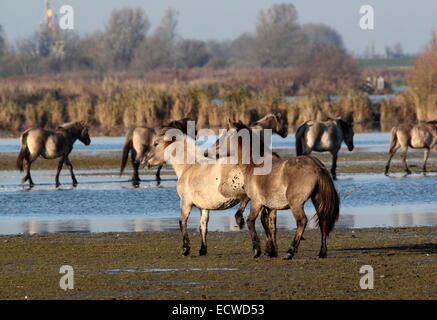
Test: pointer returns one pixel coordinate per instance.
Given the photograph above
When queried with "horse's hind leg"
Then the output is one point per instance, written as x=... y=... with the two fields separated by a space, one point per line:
x=185 y=213
x=404 y=160
x=268 y=219
x=204 y=218
x=60 y=165
x=392 y=153
x=135 y=165
x=301 y=221
x=255 y=210
x=70 y=166
x=29 y=159
x=239 y=214
x=425 y=159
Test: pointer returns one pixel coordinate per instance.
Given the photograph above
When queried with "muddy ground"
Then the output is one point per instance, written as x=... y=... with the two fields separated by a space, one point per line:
x=356 y=162
x=149 y=266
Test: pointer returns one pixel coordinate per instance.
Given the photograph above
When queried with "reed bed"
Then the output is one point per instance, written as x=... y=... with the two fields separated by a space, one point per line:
x=114 y=104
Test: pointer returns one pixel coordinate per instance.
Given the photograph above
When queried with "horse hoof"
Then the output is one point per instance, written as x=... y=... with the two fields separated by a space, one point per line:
x=256 y=253
x=186 y=251
x=322 y=255
x=288 y=256
x=202 y=252
x=241 y=223
x=271 y=254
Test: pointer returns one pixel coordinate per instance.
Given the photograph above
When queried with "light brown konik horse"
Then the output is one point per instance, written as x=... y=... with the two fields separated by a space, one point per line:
x=216 y=185
x=49 y=144
x=290 y=183
x=323 y=136
x=138 y=142
x=415 y=136
x=277 y=122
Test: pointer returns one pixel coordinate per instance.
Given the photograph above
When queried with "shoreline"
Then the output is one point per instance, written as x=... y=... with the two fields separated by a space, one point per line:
x=148 y=265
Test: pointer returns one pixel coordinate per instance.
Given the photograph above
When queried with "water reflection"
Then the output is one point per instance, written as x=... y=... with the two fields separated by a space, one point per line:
x=351 y=218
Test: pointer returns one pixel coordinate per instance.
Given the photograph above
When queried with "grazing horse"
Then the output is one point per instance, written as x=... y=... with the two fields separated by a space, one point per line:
x=289 y=184
x=323 y=136
x=37 y=142
x=277 y=122
x=415 y=136
x=205 y=185
x=138 y=143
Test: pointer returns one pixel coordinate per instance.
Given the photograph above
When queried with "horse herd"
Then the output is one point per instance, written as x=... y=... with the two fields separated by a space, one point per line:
x=224 y=184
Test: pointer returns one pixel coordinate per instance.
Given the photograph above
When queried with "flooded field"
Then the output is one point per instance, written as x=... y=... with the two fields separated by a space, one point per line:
x=105 y=202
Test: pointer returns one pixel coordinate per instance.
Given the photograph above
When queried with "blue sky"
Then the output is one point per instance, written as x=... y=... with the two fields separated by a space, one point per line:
x=408 y=22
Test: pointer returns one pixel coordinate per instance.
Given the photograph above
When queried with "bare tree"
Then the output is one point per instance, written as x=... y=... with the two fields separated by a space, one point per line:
x=243 y=50
x=124 y=33
x=2 y=41
x=277 y=35
x=192 y=53
x=316 y=34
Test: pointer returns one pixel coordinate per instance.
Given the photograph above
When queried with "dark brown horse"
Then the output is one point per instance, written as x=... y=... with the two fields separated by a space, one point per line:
x=49 y=144
x=138 y=142
x=288 y=185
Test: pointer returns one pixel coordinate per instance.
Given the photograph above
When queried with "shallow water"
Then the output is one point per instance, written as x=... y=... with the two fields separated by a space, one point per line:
x=108 y=203
x=372 y=139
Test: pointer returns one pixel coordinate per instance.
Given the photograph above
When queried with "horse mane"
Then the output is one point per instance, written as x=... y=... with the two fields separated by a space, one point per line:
x=181 y=125
x=72 y=124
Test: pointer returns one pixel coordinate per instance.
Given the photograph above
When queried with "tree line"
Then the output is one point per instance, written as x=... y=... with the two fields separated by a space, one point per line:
x=128 y=44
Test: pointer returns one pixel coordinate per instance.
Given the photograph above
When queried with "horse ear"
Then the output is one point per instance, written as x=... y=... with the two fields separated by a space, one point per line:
x=278 y=115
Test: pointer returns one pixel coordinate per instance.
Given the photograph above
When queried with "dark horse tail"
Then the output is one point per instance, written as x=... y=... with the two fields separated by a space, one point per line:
x=126 y=148
x=326 y=201
x=299 y=138
x=24 y=152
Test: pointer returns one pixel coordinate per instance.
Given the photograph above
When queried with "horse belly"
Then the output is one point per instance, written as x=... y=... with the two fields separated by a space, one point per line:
x=51 y=150
x=210 y=202
x=420 y=139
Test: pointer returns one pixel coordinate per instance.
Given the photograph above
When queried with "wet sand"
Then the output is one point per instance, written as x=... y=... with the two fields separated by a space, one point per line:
x=148 y=265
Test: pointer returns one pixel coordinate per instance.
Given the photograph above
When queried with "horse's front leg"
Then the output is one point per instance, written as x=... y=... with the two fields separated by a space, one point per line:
x=239 y=219
x=185 y=213
x=255 y=210
x=204 y=218
x=70 y=166
x=425 y=159
x=158 y=174
x=60 y=165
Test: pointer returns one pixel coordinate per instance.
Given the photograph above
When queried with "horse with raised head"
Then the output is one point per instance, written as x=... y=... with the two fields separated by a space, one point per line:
x=49 y=144
x=138 y=142
x=324 y=136
x=277 y=122
x=288 y=185
x=415 y=136
x=210 y=184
